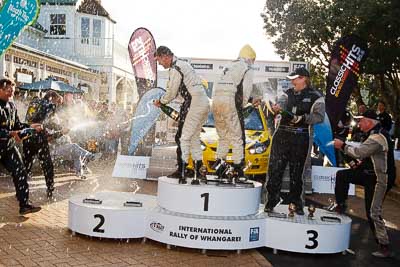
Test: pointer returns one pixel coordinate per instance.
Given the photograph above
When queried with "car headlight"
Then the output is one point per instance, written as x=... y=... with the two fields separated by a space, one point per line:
x=259 y=148
x=202 y=145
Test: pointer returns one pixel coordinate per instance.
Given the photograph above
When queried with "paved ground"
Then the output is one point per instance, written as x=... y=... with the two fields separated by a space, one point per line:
x=43 y=239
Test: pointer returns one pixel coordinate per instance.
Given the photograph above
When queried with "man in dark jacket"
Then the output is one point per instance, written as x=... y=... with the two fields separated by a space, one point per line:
x=300 y=108
x=10 y=158
x=41 y=111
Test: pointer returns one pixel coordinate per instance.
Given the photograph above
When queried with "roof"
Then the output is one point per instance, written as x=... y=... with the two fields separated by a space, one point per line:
x=94 y=7
x=58 y=2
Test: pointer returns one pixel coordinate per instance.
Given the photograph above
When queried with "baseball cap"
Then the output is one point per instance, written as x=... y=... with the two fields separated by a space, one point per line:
x=298 y=72
x=370 y=114
x=163 y=50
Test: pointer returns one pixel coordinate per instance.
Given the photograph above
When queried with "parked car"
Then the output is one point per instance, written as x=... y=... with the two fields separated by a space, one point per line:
x=257 y=148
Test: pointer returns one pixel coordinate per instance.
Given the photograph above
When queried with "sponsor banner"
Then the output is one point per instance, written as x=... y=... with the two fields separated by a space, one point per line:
x=141 y=53
x=296 y=65
x=324 y=180
x=205 y=233
x=347 y=56
x=14 y=16
x=397 y=156
x=202 y=66
x=276 y=69
x=131 y=167
x=144 y=118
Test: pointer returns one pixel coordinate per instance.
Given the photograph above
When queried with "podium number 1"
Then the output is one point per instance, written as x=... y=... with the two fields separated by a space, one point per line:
x=206 y=197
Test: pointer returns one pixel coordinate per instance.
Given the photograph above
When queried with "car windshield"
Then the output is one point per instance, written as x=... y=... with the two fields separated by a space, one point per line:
x=252 y=122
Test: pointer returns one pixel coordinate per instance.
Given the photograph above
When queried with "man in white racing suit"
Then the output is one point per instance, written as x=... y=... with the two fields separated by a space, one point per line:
x=231 y=94
x=194 y=109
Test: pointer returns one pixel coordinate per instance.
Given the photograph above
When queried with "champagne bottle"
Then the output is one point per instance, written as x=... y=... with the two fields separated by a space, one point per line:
x=286 y=114
x=26 y=133
x=172 y=113
x=247 y=110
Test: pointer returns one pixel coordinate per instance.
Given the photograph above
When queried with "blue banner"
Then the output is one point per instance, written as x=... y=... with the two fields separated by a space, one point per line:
x=14 y=16
x=145 y=117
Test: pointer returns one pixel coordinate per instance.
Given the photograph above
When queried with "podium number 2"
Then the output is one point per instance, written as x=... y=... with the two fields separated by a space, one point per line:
x=206 y=196
x=313 y=238
x=97 y=228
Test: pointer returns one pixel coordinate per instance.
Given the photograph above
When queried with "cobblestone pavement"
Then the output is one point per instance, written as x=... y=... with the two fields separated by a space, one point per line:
x=43 y=239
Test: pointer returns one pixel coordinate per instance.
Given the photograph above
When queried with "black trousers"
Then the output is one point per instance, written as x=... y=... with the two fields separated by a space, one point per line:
x=182 y=116
x=38 y=145
x=358 y=176
x=12 y=162
x=287 y=147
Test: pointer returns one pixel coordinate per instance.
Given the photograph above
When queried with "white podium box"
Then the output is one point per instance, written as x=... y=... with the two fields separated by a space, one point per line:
x=324 y=180
x=208 y=199
x=206 y=232
x=301 y=234
x=110 y=219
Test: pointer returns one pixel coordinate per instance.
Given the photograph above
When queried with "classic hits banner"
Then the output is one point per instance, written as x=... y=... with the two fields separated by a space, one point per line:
x=141 y=52
x=344 y=69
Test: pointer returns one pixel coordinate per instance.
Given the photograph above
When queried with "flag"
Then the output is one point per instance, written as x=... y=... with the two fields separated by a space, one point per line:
x=14 y=16
x=347 y=56
x=141 y=53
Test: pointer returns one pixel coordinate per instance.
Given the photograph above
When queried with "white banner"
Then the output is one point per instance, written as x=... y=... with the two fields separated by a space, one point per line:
x=131 y=167
x=324 y=180
x=396 y=155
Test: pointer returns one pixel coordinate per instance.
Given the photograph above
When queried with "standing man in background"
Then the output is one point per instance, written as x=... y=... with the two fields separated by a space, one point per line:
x=384 y=117
x=183 y=80
x=230 y=95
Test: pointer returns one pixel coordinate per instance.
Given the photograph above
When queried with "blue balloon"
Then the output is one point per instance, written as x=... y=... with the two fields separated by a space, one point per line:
x=14 y=16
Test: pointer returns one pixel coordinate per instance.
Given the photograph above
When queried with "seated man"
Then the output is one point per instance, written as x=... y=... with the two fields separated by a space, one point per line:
x=64 y=148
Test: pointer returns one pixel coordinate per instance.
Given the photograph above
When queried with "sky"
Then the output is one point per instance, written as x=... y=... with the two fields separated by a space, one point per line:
x=195 y=28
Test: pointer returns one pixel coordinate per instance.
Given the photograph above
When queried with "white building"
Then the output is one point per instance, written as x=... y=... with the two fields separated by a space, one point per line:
x=268 y=75
x=84 y=34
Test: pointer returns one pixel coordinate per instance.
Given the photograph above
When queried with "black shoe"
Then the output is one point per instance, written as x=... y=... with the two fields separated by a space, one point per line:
x=182 y=181
x=268 y=209
x=299 y=211
x=176 y=174
x=28 y=209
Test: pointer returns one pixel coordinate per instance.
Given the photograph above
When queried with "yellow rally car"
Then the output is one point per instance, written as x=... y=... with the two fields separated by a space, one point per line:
x=258 y=143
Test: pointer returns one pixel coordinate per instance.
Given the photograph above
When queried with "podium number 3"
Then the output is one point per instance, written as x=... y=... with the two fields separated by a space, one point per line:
x=206 y=197
x=97 y=228
x=312 y=236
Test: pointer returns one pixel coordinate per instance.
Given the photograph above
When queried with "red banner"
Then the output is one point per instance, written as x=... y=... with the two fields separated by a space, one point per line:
x=141 y=52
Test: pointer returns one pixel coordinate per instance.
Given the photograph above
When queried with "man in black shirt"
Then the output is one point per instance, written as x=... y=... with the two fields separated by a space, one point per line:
x=384 y=117
x=10 y=158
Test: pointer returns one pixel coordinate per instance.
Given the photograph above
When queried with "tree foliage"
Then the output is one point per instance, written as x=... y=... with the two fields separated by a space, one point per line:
x=307 y=30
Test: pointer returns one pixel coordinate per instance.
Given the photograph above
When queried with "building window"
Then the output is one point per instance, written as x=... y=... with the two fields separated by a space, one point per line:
x=85 y=22
x=96 y=31
x=58 y=24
